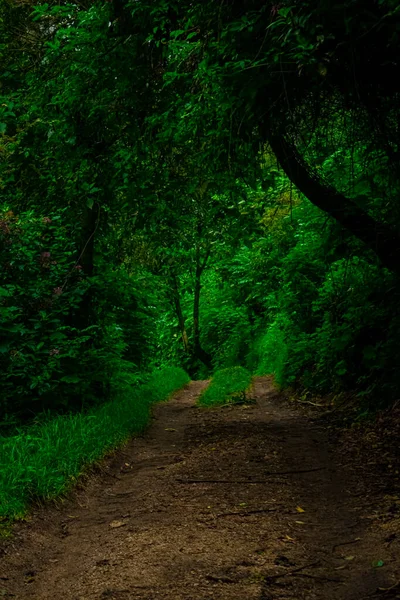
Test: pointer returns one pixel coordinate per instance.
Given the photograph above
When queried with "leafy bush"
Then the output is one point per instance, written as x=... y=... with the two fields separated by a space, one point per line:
x=227 y=385
x=40 y=285
x=337 y=338
x=51 y=358
x=46 y=459
x=270 y=351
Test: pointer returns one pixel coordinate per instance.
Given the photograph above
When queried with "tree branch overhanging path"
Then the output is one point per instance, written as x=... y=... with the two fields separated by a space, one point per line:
x=377 y=236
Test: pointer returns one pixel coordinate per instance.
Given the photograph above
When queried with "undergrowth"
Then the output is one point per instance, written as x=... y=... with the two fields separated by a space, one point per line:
x=45 y=461
x=227 y=385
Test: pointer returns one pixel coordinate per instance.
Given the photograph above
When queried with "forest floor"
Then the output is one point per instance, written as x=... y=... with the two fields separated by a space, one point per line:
x=239 y=502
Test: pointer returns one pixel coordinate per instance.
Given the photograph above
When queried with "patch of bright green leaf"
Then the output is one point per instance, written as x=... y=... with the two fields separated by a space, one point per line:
x=227 y=386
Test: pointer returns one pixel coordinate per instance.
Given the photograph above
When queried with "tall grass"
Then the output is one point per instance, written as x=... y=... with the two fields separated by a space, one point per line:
x=45 y=461
x=227 y=385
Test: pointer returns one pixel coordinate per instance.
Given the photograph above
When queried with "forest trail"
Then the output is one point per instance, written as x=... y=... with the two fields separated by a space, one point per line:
x=208 y=505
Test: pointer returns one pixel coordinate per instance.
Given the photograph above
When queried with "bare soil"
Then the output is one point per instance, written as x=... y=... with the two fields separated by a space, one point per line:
x=238 y=502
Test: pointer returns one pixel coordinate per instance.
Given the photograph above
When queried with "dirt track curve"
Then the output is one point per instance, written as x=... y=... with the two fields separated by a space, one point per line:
x=233 y=503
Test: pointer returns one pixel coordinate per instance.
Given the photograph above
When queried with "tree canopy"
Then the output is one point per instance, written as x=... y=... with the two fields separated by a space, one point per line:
x=199 y=184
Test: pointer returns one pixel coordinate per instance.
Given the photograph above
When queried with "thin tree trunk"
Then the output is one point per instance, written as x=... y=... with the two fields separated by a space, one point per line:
x=178 y=311
x=199 y=352
x=196 y=302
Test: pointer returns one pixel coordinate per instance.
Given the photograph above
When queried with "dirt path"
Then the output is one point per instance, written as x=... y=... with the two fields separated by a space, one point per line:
x=209 y=505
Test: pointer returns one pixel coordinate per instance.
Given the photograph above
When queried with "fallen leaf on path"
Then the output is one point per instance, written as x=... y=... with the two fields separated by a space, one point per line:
x=289 y=539
x=299 y=509
x=349 y=558
x=116 y=524
x=300 y=522
x=170 y=429
x=378 y=563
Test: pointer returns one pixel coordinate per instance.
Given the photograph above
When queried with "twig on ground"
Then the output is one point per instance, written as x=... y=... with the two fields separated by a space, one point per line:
x=248 y=512
x=119 y=494
x=110 y=475
x=232 y=481
x=294 y=472
x=267 y=473
x=346 y=543
x=318 y=577
x=220 y=579
x=382 y=590
x=293 y=572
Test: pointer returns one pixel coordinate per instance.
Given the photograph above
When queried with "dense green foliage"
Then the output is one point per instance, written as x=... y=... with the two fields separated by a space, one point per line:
x=46 y=460
x=200 y=185
x=43 y=352
x=227 y=386
x=314 y=310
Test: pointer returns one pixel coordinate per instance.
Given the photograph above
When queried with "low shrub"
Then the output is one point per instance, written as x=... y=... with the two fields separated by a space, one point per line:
x=45 y=460
x=227 y=385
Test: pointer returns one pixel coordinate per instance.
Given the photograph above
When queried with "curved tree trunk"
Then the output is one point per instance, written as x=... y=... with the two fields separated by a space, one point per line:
x=379 y=237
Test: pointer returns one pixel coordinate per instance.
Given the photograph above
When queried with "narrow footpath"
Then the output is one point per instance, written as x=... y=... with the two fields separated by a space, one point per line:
x=238 y=502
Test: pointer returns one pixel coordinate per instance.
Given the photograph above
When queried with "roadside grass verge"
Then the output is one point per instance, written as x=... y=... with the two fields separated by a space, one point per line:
x=46 y=460
x=227 y=386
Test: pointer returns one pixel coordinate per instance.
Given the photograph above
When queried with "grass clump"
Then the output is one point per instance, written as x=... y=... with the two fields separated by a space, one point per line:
x=43 y=462
x=227 y=385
